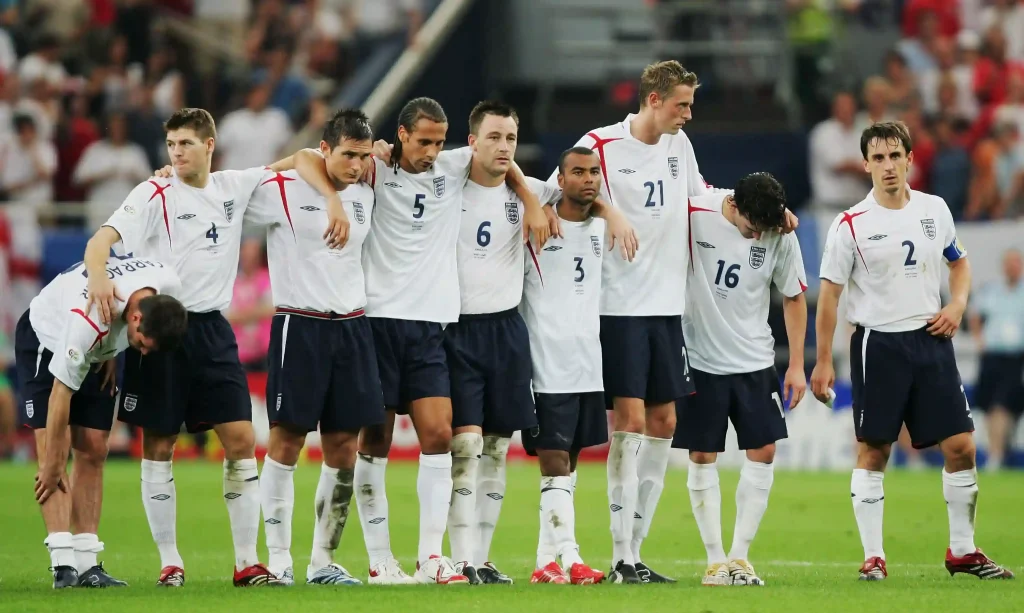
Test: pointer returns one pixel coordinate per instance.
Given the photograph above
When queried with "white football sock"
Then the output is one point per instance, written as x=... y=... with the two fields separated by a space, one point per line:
x=331 y=508
x=242 y=495
x=277 y=496
x=751 y=502
x=490 y=492
x=160 y=502
x=434 y=487
x=86 y=547
x=622 y=492
x=572 y=482
x=868 y=506
x=61 y=548
x=372 y=504
x=961 y=492
x=556 y=502
x=547 y=551
x=706 y=502
x=651 y=464
x=462 y=528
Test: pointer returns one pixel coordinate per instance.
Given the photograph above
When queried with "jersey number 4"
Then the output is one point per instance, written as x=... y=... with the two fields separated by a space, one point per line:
x=212 y=233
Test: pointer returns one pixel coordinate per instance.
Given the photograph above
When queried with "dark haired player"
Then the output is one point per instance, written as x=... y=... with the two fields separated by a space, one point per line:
x=412 y=292
x=889 y=249
x=70 y=404
x=736 y=255
x=323 y=368
x=561 y=307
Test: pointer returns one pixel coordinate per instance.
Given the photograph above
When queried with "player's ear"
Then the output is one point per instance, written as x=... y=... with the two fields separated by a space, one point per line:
x=325 y=149
x=561 y=181
x=472 y=142
x=210 y=145
x=910 y=159
x=867 y=168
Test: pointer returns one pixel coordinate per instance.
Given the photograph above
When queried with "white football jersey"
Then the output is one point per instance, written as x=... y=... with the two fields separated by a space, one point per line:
x=78 y=339
x=196 y=231
x=490 y=253
x=561 y=308
x=726 y=320
x=891 y=261
x=304 y=272
x=410 y=254
x=650 y=185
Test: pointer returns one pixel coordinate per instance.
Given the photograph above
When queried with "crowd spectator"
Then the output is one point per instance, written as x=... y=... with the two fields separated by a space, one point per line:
x=110 y=168
x=253 y=135
x=837 y=173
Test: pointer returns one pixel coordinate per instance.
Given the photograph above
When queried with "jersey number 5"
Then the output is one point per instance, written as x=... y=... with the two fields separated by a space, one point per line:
x=417 y=206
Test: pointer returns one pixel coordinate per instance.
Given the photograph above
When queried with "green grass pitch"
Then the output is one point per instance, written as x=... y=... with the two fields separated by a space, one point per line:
x=808 y=550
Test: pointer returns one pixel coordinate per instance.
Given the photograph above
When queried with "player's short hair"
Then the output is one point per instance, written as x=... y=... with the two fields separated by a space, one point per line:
x=663 y=77
x=578 y=150
x=761 y=199
x=490 y=107
x=413 y=111
x=886 y=131
x=198 y=120
x=164 y=320
x=347 y=123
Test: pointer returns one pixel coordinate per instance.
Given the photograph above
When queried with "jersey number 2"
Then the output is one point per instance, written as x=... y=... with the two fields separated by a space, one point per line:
x=212 y=233
x=910 y=261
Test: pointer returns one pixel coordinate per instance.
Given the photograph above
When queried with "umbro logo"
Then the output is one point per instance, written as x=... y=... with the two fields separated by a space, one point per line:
x=615 y=508
x=273 y=522
x=377 y=520
x=160 y=497
x=552 y=248
x=877 y=237
x=627 y=171
x=231 y=495
x=495 y=496
x=705 y=245
x=186 y=216
x=392 y=185
x=463 y=491
x=636 y=515
x=310 y=208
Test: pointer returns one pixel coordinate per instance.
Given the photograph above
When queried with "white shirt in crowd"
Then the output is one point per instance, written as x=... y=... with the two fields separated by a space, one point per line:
x=18 y=164
x=246 y=139
x=831 y=143
x=113 y=170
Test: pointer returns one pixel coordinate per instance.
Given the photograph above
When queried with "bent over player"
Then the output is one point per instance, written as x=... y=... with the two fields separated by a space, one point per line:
x=57 y=343
x=323 y=369
x=736 y=255
x=561 y=301
x=888 y=249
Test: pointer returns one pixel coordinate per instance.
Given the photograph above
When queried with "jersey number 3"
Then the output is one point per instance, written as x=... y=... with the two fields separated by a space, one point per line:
x=579 y=270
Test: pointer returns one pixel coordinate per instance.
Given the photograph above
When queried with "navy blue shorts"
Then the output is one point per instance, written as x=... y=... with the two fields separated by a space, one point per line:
x=200 y=384
x=491 y=372
x=411 y=360
x=906 y=377
x=568 y=422
x=999 y=382
x=645 y=357
x=323 y=371
x=752 y=401
x=91 y=407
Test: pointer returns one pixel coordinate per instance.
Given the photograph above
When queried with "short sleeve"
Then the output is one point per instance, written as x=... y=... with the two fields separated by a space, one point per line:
x=695 y=184
x=837 y=261
x=139 y=216
x=952 y=250
x=789 y=275
x=544 y=191
x=266 y=207
x=71 y=361
x=456 y=161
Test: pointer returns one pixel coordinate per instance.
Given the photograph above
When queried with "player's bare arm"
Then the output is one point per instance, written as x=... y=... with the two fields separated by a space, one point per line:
x=108 y=375
x=619 y=228
x=792 y=223
x=51 y=470
x=102 y=292
x=794 y=311
x=534 y=221
x=313 y=170
x=947 y=321
x=824 y=375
